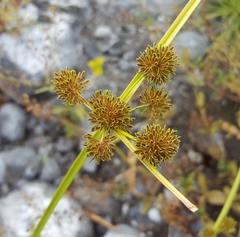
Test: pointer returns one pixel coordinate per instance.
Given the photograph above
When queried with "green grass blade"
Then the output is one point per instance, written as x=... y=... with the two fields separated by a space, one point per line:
x=158 y=175
x=228 y=202
x=179 y=22
x=67 y=180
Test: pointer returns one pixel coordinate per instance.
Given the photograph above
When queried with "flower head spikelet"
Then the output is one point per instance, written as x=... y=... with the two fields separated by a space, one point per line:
x=157 y=63
x=157 y=101
x=228 y=226
x=109 y=112
x=157 y=144
x=68 y=86
x=99 y=150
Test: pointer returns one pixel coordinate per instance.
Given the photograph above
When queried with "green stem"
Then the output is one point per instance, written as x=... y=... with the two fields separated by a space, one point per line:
x=179 y=22
x=139 y=107
x=158 y=175
x=68 y=178
x=132 y=87
x=165 y=41
x=228 y=203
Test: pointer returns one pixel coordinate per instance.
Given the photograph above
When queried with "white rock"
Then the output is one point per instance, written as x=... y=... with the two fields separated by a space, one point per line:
x=124 y=231
x=21 y=209
x=154 y=215
x=42 y=48
x=12 y=122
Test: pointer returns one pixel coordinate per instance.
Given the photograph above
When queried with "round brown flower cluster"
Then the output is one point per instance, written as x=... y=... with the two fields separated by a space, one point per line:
x=109 y=112
x=99 y=150
x=157 y=63
x=68 y=86
x=157 y=101
x=157 y=144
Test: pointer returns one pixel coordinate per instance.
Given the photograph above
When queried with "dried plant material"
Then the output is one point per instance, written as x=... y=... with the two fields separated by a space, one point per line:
x=231 y=130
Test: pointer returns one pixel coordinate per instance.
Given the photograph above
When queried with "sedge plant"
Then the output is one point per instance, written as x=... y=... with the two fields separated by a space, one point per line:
x=111 y=115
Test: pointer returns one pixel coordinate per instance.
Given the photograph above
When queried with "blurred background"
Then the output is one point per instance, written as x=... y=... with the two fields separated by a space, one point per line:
x=40 y=137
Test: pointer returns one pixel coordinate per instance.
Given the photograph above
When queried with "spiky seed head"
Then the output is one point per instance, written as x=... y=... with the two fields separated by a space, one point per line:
x=68 y=86
x=109 y=112
x=208 y=232
x=157 y=144
x=228 y=226
x=99 y=150
x=157 y=63
x=157 y=101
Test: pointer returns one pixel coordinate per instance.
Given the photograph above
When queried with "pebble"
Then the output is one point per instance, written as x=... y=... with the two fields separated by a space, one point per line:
x=2 y=171
x=154 y=215
x=12 y=122
x=124 y=231
x=33 y=169
x=195 y=42
x=102 y=31
x=118 y=48
x=50 y=170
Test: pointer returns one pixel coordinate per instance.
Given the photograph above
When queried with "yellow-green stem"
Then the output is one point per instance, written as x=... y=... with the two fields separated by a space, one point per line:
x=158 y=175
x=228 y=203
x=68 y=178
x=165 y=41
x=139 y=107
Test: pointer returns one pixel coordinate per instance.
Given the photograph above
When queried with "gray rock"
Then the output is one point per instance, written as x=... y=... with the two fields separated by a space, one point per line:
x=123 y=231
x=64 y=145
x=195 y=42
x=194 y=156
x=12 y=122
x=2 y=171
x=50 y=170
x=90 y=167
x=33 y=169
x=118 y=48
x=102 y=31
x=16 y=160
x=21 y=209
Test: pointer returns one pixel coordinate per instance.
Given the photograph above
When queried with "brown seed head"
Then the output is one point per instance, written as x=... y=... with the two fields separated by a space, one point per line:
x=157 y=144
x=68 y=86
x=99 y=149
x=228 y=226
x=158 y=102
x=157 y=63
x=109 y=112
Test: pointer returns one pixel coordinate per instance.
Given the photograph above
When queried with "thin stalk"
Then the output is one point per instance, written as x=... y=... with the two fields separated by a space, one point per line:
x=165 y=41
x=68 y=178
x=139 y=107
x=228 y=203
x=158 y=175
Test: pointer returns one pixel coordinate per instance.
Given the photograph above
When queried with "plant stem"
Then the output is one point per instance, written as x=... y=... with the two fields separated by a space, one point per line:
x=139 y=107
x=158 y=175
x=228 y=203
x=165 y=41
x=68 y=178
